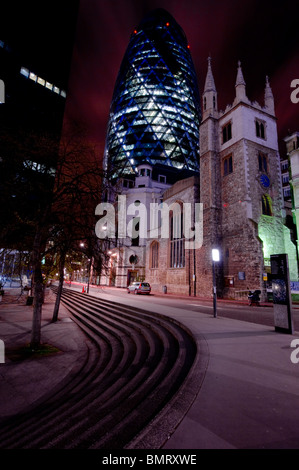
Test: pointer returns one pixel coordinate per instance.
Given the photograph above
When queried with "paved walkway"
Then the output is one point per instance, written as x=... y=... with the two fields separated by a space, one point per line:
x=249 y=387
x=26 y=380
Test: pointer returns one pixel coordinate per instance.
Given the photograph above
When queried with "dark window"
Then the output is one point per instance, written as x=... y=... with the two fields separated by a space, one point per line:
x=228 y=165
x=257 y=129
x=226 y=133
x=155 y=255
x=135 y=234
x=263 y=162
x=260 y=129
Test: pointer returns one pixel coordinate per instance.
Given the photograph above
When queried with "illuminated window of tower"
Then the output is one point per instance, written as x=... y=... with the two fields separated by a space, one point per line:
x=266 y=205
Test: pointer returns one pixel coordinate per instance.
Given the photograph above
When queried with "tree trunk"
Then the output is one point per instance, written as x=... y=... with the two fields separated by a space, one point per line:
x=37 y=291
x=60 y=286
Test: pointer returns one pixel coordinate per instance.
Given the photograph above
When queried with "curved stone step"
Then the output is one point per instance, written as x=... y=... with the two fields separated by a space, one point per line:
x=143 y=359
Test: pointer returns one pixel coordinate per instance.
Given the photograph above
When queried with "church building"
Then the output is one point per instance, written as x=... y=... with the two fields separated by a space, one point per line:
x=235 y=178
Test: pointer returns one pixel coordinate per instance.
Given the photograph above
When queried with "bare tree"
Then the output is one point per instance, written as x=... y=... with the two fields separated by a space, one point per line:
x=47 y=195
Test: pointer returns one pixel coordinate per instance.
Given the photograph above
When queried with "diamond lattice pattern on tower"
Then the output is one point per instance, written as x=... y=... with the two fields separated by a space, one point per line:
x=155 y=109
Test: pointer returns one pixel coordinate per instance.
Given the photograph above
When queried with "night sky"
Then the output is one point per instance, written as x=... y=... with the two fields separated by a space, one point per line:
x=263 y=34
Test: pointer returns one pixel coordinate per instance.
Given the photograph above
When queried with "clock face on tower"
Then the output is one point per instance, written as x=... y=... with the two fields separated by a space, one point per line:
x=264 y=180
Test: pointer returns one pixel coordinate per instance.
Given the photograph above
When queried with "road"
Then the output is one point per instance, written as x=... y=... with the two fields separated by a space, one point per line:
x=262 y=315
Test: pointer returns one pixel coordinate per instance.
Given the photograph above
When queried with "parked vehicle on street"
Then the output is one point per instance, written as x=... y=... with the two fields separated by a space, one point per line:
x=254 y=297
x=139 y=287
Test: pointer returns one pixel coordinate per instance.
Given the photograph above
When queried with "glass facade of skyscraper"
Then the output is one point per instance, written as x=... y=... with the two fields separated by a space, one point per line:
x=155 y=109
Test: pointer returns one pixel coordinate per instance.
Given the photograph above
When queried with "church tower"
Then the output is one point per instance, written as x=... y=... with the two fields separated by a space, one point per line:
x=240 y=190
x=210 y=185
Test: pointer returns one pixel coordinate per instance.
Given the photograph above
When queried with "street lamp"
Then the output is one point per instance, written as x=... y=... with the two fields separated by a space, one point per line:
x=215 y=259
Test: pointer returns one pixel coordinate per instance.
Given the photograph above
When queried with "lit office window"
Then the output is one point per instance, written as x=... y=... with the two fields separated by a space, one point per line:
x=33 y=76
x=49 y=85
x=41 y=81
x=24 y=72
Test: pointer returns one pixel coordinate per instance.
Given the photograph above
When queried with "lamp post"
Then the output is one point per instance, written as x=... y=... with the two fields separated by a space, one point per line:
x=215 y=259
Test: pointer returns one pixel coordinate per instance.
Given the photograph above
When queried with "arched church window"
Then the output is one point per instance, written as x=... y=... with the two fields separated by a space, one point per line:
x=263 y=162
x=226 y=132
x=177 y=241
x=266 y=205
x=135 y=232
x=257 y=128
x=227 y=165
x=260 y=129
x=154 y=255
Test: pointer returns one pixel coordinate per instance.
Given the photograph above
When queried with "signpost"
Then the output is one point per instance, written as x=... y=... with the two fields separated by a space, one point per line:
x=282 y=302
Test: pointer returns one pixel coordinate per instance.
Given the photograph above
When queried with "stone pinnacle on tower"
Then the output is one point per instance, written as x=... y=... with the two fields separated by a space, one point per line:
x=269 y=100
x=209 y=83
x=240 y=85
x=209 y=93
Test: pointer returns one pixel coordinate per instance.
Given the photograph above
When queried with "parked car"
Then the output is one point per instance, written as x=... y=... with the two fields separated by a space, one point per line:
x=139 y=288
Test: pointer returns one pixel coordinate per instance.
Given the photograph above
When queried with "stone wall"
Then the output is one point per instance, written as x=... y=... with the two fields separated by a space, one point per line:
x=176 y=280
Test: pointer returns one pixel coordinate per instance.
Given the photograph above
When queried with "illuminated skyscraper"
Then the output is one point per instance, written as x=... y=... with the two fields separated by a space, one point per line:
x=155 y=109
